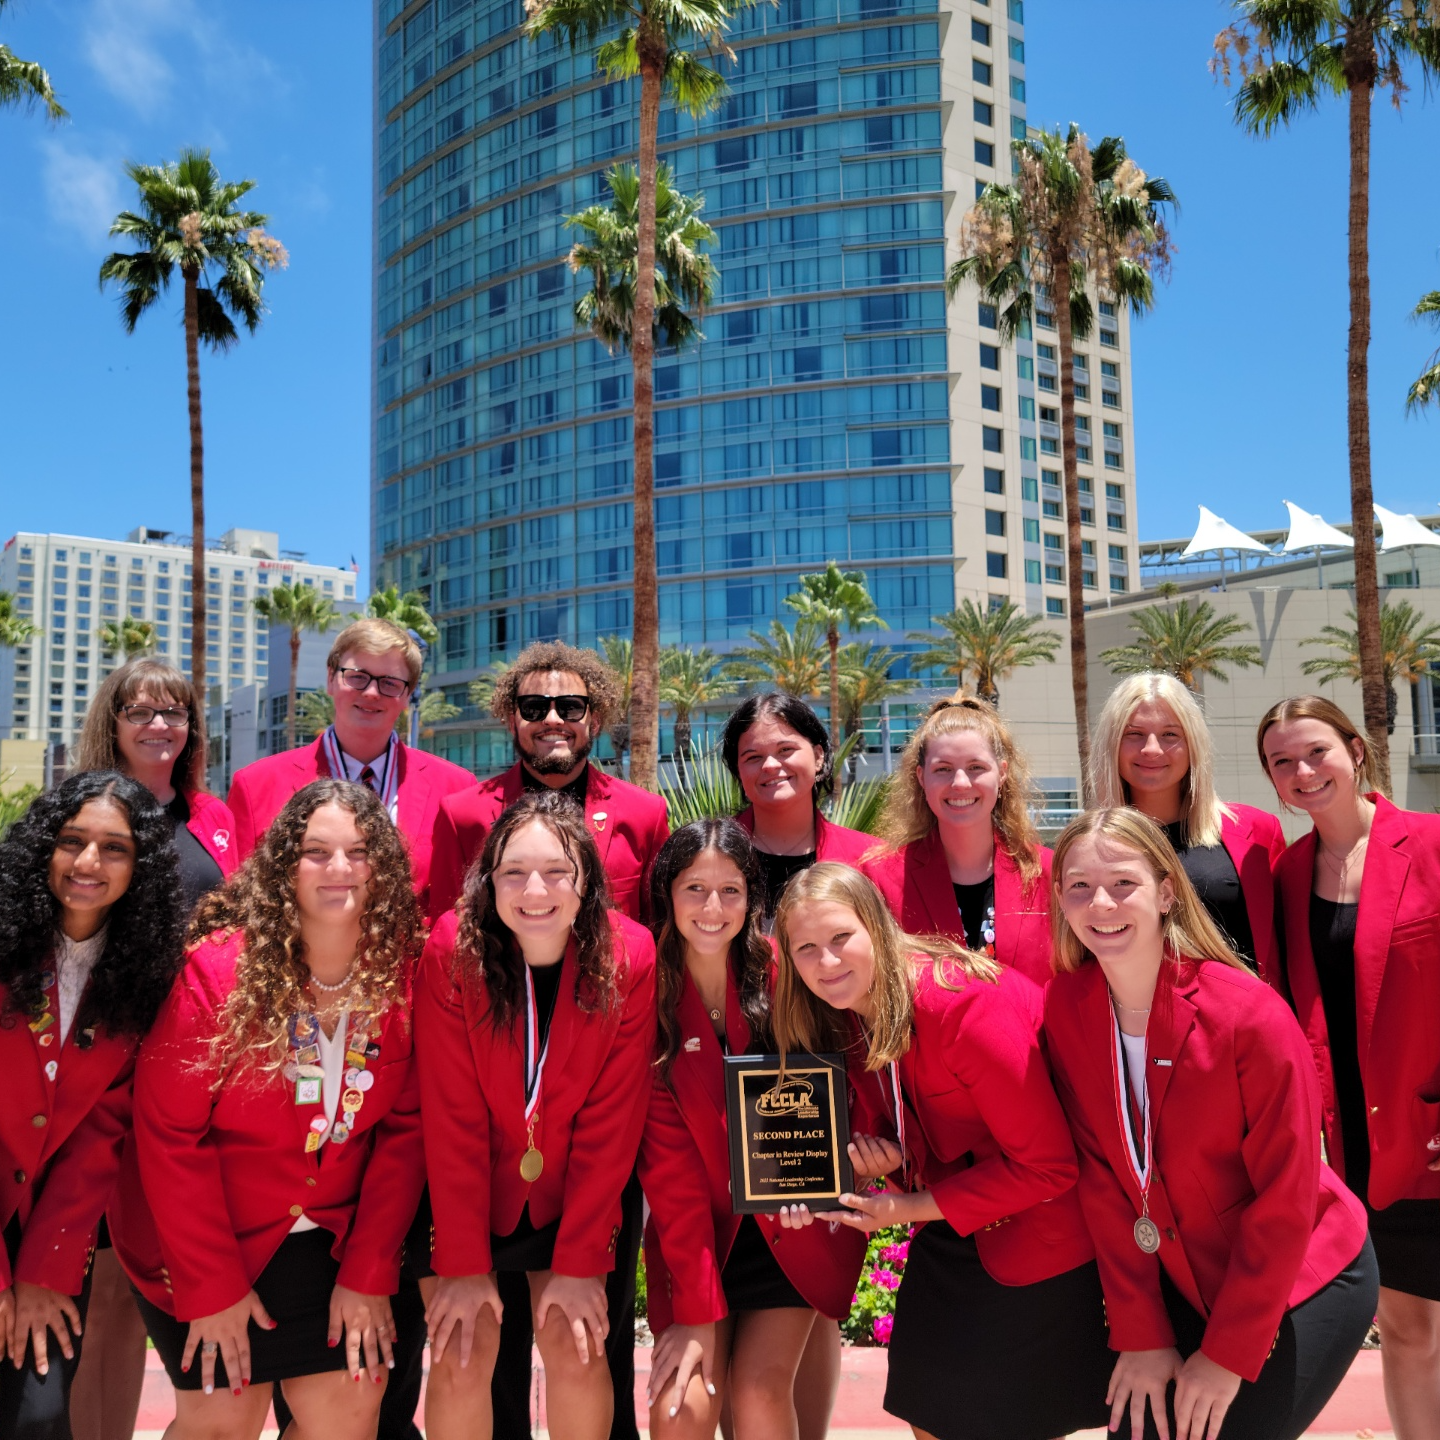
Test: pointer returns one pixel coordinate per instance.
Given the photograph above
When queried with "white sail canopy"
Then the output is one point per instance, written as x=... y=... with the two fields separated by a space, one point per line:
x=1213 y=533
x=1310 y=532
x=1401 y=532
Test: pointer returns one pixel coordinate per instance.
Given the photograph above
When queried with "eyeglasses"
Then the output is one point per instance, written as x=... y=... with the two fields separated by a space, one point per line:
x=388 y=685
x=177 y=717
x=537 y=707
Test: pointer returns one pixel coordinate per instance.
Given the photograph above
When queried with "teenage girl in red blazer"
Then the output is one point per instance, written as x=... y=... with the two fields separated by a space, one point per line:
x=89 y=944
x=536 y=1023
x=735 y=1296
x=277 y=1130
x=999 y=1323
x=1235 y=1263
x=1152 y=750
x=1360 y=906
x=962 y=857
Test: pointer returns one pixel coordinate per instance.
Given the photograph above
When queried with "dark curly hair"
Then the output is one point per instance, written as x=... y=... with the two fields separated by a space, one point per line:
x=142 y=939
x=750 y=955
x=790 y=710
x=259 y=900
x=485 y=951
x=601 y=684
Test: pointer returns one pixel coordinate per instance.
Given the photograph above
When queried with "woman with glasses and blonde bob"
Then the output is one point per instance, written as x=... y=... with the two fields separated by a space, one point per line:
x=1151 y=750
x=962 y=857
x=999 y=1323
x=1359 y=899
x=1235 y=1263
x=535 y=1032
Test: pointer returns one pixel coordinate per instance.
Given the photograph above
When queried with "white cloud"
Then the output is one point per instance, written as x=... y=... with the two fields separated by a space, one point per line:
x=83 y=192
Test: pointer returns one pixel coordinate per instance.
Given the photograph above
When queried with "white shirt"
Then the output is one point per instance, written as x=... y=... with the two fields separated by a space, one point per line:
x=332 y=1063
x=74 y=960
x=379 y=767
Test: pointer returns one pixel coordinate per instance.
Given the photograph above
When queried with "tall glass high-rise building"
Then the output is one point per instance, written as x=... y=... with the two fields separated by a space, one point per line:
x=837 y=408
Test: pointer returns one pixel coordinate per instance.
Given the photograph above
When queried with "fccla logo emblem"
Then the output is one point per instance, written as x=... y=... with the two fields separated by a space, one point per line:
x=222 y=840
x=790 y=1099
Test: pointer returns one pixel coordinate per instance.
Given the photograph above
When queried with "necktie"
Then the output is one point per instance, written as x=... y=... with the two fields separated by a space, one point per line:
x=367 y=777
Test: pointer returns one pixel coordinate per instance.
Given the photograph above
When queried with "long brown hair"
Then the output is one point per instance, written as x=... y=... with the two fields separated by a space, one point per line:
x=259 y=901
x=486 y=955
x=97 y=749
x=907 y=817
x=804 y=1023
x=1327 y=712
x=750 y=956
x=1186 y=929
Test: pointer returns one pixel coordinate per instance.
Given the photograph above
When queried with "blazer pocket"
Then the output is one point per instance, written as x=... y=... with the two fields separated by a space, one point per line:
x=1423 y=928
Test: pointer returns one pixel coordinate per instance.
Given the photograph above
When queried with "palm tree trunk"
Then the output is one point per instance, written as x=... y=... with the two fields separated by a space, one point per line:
x=682 y=743
x=294 y=674
x=832 y=635
x=198 y=578
x=1359 y=65
x=645 y=684
x=1079 y=677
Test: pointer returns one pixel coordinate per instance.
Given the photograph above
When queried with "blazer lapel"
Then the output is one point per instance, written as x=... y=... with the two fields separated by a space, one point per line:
x=931 y=876
x=1386 y=866
x=310 y=764
x=599 y=813
x=1009 y=906
x=1302 y=981
x=412 y=795
x=698 y=1073
x=565 y=1027
x=1172 y=1017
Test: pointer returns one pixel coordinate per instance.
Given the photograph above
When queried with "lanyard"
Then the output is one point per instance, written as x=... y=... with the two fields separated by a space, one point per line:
x=1134 y=1119
x=899 y=1105
x=388 y=771
x=535 y=1053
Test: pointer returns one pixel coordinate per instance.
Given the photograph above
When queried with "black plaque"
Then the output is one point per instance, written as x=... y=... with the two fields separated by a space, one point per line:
x=787 y=1139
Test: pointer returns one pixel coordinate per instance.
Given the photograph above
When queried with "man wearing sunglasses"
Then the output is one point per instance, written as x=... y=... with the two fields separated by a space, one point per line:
x=556 y=700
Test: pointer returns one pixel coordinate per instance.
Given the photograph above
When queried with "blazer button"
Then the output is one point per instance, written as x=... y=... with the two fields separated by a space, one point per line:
x=1374 y=1109
x=297 y=1211
x=38 y=1121
x=310 y=1180
x=1169 y=1233
x=21 y=1177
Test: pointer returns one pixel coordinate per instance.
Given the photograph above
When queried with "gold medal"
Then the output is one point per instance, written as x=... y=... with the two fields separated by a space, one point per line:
x=1147 y=1234
x=532 y=1162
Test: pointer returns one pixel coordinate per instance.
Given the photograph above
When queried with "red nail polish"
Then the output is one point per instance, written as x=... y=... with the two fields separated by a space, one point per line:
x=244 y=1382
x=332 y=1343
x=237 y=1390
x=379 y=1379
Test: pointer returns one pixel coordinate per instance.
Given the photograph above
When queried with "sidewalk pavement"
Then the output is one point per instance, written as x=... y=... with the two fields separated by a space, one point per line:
x=1357 y=1409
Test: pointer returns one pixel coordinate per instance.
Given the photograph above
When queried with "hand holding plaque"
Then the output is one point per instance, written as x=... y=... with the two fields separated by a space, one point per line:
x=788 y=1136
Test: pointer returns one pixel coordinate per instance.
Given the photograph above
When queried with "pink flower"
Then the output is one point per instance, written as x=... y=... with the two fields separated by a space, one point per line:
x=896 y=1254
x=885 y=1279
x=882 y=1326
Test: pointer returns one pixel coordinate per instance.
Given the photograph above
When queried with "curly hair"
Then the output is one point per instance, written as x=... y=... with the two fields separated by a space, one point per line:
x=750 y=956
x=259 y=901
x=97 y=750
x=142 y=952
x=907 y=815
x=601 y=683
x=789 y=710
x=485 y=951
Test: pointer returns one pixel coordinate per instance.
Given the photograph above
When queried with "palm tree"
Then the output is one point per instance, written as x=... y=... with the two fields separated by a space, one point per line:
x=656 y=40
x=1290 y=53
x=302 y=608
x=1409 y=648
x=620 y=657
x=1074 y=216
x=684 y=276
x=15 y=628
x=25 y=83
x=482 y=688
x=408 y=611
x=791 y=660
x=188 y=218
x=833 y=597
x=865 y=683
x=1427 y=386
x=434 y=709
x=990 y=643
x=1183 y=642
x=688 y=682
x=129 y=637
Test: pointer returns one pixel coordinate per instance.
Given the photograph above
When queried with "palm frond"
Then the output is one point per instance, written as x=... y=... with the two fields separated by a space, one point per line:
x=26 y=83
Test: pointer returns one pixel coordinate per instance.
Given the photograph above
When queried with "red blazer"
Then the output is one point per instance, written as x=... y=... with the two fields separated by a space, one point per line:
x=1251 y=1221
x=985 y=1132
x=216 y=1178
x=832 y=842
x=259 y=792
x=915 y=881
x=1254 y=841
x=212 y=824
x=1397 y=996
x=628 y=824
x=60 y=1143
x=685 y=1170
x=592 y=1109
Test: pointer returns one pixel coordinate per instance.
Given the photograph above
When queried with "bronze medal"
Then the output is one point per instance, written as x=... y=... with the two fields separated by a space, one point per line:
x=1147 y=1235
x=532 y=1162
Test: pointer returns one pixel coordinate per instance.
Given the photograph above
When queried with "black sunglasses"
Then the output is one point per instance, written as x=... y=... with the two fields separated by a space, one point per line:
x=537 y=707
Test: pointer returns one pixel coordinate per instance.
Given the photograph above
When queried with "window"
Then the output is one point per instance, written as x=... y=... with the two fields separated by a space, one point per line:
x=1111 y=398
x=1087 y=515
x=1087 y=485
x=1087 y=579
x=1119 y=583
x=1393 y=578
x=1115 y=521
x=1082 y=454
x=984 y=113
x=1107 y=309
x=1049 y=415
x=1032 y=572
x=1051 y=510
x=1015 y=9
x=979 y=32
x=1017 y=89
x=1027 y=408
x=1053 y=541
x=1025 y=367
x=989 y=397
x=1028 y=488
x=994 y=481
x=1045 y=352
x=1117 y=552
x=1087 y=548
x=1054 y=604
x=1109 y=369
x=987 y=316
x=1114 y=460
x=1017 y=127
x=1052 y=477
x=981 y=72
x=992 y=439
x=984 y=153
x=1082 y=391
x=1031 y=531
x=1082 y=362
x=1109 y=337
x=1045 y=319
x=995 y=564
x=1017 y=50
x=989 y=356
x=1047 y=382
x=1055 y=574
x=1114 y=491
x=1082 y=424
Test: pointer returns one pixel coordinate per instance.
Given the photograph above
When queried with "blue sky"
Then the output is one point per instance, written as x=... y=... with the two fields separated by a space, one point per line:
x=1239 y=373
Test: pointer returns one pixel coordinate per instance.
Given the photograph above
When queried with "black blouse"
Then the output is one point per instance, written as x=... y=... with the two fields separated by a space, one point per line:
x=1213 y=874
x=1332 y=942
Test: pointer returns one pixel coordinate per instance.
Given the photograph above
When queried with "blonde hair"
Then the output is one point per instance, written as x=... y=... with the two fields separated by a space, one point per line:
x=801 y=1022
x=1186 y=929
x=1327 y=712
x=96 y=749
x=1204 y=810
x=907 y=817
x=370 y=636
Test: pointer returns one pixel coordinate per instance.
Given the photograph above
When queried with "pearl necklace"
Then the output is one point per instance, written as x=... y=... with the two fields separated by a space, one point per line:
x=342 y=984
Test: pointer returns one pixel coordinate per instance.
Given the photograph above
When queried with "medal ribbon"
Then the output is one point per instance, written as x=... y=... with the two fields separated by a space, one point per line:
x=534 y=1053
x=899 y=1104
x=387 y=765
x=1134 y=1119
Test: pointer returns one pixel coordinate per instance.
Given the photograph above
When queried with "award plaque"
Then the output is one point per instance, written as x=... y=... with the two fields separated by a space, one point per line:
x=788 y=1138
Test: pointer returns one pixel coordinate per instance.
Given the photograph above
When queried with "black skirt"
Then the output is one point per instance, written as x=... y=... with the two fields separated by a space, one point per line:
x=525 y=1248
x=972 y=1359
x=752 y=1278
x=1407 y=1245
x=295 y=1289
